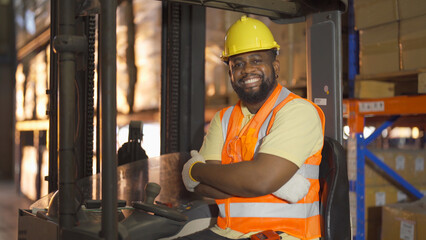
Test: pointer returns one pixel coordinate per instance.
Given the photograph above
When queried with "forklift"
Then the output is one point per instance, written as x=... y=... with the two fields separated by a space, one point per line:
x=147 y=200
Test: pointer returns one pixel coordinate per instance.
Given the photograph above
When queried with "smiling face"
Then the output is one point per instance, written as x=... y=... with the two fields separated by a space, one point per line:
x=253 y=75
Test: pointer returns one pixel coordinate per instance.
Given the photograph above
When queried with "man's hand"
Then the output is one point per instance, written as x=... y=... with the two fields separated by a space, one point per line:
x=294 y=189
x=189 y=182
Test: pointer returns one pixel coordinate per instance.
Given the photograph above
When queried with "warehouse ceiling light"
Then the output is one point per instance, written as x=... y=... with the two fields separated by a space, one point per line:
x=415 y=132
x=400 y=132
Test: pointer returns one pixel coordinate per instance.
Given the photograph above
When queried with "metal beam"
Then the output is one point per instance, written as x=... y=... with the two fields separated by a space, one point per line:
x=108 y=108
x=53 y=101
x=67 y=206
x=274 y=9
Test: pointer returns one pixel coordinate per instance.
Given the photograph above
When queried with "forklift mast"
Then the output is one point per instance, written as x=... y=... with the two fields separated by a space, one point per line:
x=71 y=109
x=85 y=28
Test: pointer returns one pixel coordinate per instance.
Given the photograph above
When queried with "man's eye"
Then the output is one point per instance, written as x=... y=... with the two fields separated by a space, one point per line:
x=257 y=61
x=237 y=65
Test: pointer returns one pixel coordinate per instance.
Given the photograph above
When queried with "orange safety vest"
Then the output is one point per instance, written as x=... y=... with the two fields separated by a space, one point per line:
x=267 y=212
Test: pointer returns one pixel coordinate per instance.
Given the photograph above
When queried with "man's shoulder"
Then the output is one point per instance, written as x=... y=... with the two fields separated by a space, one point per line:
x=298 y=110
x=300 y=104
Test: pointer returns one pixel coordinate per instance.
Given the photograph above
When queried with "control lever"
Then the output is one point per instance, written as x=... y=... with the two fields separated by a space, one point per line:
x=151 y=192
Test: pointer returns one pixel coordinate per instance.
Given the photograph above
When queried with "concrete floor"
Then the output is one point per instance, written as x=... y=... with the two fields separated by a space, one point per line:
x=10 y=202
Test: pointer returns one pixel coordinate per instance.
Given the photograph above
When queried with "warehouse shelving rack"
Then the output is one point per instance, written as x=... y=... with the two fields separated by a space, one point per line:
x=356 y=111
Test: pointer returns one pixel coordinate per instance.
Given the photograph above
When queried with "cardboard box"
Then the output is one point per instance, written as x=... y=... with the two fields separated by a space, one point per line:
x=370 y=13
x=411 y=8
x=404 y=221
x=413 y=43
x=374 y=89
x=379 y=49
x=389 y=156
x=399 y=161
x=374 y=223
x=380 y=196
x=373 y=177
x=416 y=167
x=421 y=188
x=409 y=164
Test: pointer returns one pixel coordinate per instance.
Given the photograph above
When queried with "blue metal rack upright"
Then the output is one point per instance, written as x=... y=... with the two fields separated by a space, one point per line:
x=356 y=111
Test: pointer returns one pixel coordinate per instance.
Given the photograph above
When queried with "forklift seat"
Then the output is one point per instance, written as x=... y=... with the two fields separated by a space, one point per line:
x=334 y=192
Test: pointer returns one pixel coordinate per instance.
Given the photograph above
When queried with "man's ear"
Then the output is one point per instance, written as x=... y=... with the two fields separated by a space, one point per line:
x=276 y=65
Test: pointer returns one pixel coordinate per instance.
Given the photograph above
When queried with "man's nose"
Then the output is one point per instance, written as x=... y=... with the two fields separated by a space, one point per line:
x=248 y=68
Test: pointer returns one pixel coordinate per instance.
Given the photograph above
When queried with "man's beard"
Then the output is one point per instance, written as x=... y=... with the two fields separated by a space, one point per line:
x=256 y=97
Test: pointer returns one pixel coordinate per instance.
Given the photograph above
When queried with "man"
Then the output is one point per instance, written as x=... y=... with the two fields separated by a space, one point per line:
x=260 y=158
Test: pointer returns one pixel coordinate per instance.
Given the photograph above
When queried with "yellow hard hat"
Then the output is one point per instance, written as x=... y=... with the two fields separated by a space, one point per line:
x=247 y=35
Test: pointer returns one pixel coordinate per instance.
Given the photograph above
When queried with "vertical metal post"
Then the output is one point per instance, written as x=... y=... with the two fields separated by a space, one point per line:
x=164 y=72
x=108 y=108
x=170 y=83
x=183 y=43
x=193 y=20
x=324 y=68
x=7 y=91
x=360 y=187
x=98 y=105
x=53 y=102
x=66 y=16
x=356 y=169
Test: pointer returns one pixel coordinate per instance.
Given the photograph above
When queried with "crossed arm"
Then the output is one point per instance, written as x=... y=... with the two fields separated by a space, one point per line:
x=261 y=176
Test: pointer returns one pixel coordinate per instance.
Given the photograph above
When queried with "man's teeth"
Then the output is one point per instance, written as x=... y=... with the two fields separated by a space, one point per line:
x=252 y=80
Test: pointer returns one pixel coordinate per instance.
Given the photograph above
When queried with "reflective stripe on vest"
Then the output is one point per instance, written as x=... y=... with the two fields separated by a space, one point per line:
x=264 y=128
x=225 y=121
x=271 y=210
x=309 y=171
